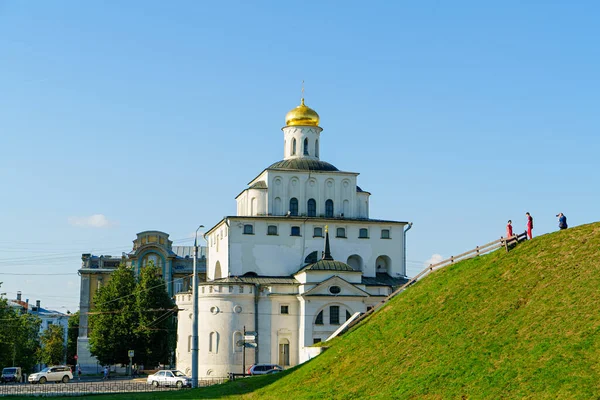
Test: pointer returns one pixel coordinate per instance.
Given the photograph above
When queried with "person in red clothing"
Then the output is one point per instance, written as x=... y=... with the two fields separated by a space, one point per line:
x=509 y=231
x=529 y=225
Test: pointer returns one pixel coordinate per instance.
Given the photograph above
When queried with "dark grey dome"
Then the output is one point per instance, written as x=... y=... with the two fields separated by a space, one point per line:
x=303 y=164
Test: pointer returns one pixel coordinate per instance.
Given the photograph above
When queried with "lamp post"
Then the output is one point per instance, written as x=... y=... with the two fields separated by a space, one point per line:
x=195 y=314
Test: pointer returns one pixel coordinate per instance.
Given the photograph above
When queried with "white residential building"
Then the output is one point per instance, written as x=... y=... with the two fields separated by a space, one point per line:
x=267 y=270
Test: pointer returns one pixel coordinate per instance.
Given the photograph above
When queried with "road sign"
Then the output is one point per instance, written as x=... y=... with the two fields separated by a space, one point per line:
x=250 y=345
x=249 y=338
x=130 y=353
x=251 y=333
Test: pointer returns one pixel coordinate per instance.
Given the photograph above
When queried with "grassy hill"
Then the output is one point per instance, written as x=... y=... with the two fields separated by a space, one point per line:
x=524 y=324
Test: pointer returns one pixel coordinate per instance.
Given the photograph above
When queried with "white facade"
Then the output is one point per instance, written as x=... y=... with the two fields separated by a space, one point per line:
x=266 y=269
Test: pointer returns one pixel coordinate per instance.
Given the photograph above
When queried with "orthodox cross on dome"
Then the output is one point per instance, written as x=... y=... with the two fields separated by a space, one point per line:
x=302 y=98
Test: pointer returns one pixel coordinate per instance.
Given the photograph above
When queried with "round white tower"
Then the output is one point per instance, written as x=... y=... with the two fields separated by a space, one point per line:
x=301 y=133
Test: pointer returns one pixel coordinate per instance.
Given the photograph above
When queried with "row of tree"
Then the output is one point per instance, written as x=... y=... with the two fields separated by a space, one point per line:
x=133 y=314
x=21 y=343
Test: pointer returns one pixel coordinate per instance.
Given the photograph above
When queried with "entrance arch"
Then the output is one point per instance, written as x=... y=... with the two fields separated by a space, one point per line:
x=383 y=264
x=356 y=262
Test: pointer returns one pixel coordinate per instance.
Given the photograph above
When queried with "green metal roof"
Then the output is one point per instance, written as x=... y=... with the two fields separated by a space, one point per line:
x=259 y=185
x=303 y=164
x=328 y=265
x=383 y=279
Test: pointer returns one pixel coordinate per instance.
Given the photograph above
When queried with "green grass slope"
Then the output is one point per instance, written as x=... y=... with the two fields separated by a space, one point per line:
x=523 y=324
x=506 y=325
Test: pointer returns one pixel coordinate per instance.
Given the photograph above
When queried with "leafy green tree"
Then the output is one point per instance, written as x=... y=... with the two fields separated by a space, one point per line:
x=53 y=348
x=19 y=340
x=114 y=318
x=27 y=341
x=156 y=330
x=72 y=338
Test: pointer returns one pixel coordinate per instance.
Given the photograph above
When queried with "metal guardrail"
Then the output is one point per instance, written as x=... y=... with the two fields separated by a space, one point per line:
x=75 y=388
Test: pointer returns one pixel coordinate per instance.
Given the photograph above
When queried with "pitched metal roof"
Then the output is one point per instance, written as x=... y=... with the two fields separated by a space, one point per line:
x=259 y=185
x=383 y=279
x=188 y=251
x=261 y=280
x=303 y=164
x=328 y=265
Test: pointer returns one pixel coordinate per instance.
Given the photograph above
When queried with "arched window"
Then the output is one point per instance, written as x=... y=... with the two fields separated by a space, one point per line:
x=248 y=229
x=293 y=152
x=312 y=257
x=317 y=148
x=277 y=206
x=363 y=233
x=213 y=344
x=253 y=209
x=340 y=232
x=319 y=319
x=306 y=146
x=329 y=208
x=294 y=206
x=312 y=208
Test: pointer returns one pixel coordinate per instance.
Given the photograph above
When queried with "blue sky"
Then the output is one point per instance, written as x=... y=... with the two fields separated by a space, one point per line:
x=458 y=115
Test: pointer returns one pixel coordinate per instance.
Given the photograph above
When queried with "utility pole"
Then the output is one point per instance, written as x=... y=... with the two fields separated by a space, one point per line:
x=244 y=353
x=195 y=314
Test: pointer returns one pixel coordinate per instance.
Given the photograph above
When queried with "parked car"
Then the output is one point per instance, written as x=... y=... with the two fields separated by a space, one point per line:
x=11 y=374
x=262 y=369
x=169 y=377
x=57 y=373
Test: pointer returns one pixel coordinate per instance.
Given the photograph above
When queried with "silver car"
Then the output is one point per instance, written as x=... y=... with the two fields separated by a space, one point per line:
x=58 y=373
x=169 y=377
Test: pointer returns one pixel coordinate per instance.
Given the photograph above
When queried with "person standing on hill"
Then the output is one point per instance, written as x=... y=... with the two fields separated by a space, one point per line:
x=509 y=231
x=562 y=221
x=529 y=225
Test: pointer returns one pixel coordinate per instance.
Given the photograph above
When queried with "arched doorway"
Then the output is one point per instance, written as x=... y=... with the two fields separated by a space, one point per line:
x=356 y=262
x=383 y=264
x=284 y=352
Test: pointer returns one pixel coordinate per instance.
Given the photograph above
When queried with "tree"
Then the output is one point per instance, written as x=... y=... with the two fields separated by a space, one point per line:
x=19 y=337
x=72 y=335
x=53 y=349
x=114 y=318
x=27 y=341
x=156 y=330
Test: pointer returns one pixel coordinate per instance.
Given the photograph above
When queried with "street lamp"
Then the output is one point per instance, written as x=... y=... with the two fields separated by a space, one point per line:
x=195 y=314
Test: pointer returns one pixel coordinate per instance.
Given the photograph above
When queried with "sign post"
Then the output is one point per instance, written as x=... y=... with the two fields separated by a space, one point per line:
x=130 y=353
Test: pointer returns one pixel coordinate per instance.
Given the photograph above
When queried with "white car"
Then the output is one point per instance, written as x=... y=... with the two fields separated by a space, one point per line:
x=169 y=377
x=59 y=373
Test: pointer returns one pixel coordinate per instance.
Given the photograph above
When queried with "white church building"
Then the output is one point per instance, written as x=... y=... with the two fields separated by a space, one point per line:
x=267 y=271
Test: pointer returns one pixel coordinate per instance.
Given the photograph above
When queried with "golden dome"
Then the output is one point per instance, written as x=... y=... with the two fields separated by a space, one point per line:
x=302 y=115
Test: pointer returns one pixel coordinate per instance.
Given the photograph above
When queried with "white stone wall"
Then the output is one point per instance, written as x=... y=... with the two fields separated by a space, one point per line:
x=300 y=133
x=218 y=249
x=320 y=186
x=283 y=254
